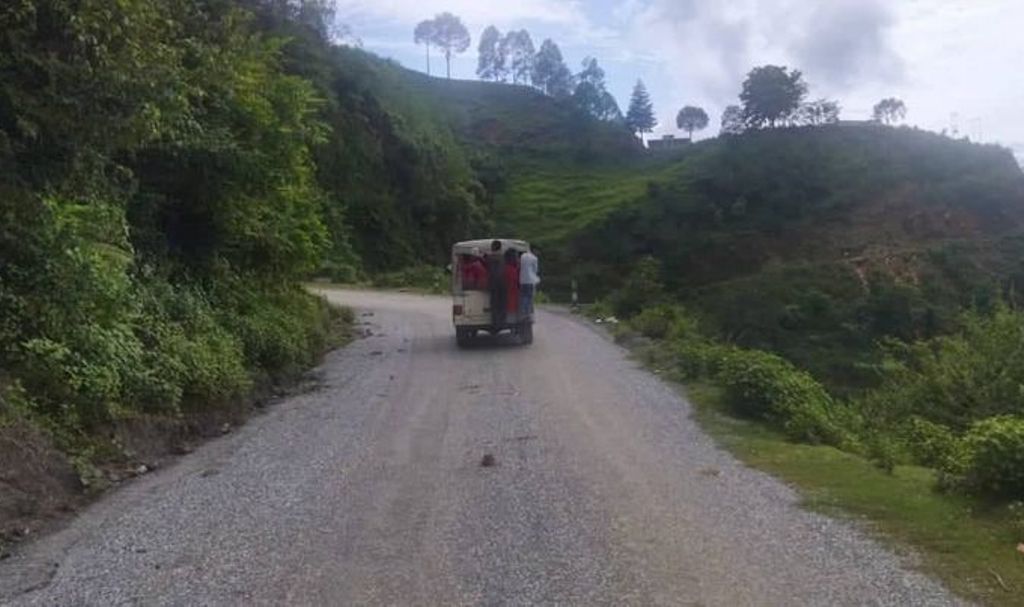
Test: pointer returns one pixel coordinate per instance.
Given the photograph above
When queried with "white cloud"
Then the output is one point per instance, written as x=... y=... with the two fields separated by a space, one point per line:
x=473 y=12
x=846 y=42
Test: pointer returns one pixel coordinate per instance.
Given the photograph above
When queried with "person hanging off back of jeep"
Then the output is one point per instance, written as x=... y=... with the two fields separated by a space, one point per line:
x=496 y=283
x=474 y=272
x=529 y=278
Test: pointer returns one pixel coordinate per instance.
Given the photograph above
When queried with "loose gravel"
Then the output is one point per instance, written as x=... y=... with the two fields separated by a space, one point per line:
x=370 y=490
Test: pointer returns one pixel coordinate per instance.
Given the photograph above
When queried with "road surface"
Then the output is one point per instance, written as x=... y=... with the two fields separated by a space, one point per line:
x=368 y=489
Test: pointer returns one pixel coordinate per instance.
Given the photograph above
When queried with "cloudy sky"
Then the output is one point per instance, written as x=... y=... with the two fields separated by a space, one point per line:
x=958 y=64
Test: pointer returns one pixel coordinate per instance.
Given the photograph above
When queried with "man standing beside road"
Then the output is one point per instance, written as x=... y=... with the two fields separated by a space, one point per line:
x=529 y=278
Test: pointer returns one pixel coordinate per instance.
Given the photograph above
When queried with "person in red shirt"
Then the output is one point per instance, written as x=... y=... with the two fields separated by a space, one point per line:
x=512 y=281
x=474 y=273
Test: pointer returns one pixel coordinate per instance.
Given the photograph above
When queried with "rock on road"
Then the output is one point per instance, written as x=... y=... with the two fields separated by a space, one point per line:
x=368 y=489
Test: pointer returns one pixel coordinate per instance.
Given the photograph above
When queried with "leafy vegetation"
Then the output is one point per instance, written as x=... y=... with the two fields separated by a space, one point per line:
x=770 y=94
x=169 y=173
x=550 y=74
x=513 y=55
x=399 y=188
x=995 y=456
x=764 y=386
x=159 y=203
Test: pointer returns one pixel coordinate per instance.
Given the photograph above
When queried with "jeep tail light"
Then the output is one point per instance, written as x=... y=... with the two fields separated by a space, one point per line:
x=457 y=309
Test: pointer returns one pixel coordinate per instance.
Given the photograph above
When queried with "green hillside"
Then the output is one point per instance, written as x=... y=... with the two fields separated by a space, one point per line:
x=552 y=201
x=840 y=235
x=482 y=138
x=519 y=120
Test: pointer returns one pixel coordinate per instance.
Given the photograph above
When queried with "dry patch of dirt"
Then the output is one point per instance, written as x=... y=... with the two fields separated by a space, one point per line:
x=37 y=482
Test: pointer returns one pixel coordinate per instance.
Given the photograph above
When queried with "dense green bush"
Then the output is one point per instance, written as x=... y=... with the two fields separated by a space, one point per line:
x=175 y=349
x=698 y=358
x=196 y=360
x=994 y=461
x=666 y=321
x=599 y=310
x=928 y=443
x=957 y=379
x=280 y=330
x=884 y=451
x=764 y=386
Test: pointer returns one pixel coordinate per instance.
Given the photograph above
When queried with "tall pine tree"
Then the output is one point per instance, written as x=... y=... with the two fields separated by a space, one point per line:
x=640 y=117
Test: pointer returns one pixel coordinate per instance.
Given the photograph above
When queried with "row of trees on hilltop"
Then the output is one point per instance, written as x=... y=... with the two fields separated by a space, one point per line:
x=513 y=57
x=774 y=96
x=771 y=95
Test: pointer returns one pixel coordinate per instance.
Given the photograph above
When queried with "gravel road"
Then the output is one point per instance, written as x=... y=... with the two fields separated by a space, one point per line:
x=368 y=489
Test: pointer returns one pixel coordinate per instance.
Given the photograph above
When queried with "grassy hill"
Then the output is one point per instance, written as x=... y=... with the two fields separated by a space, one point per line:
x=552 y=201
x=853 y=193
x=487 y=117
x=520 y=120
x=815 y=243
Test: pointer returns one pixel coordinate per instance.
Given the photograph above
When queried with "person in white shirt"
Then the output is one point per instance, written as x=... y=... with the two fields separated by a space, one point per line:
x=529 y=278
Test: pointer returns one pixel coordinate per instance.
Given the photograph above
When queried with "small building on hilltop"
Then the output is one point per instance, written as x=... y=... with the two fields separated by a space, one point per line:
x=667 y=142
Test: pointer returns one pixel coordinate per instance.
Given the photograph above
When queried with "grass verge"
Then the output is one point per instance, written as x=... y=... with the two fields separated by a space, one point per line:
x=958 y=539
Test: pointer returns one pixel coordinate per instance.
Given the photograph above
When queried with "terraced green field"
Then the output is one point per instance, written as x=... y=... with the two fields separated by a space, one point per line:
x=549 y=202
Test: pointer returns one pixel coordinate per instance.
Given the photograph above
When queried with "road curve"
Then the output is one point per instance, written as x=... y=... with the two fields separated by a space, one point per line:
x=368 y=489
